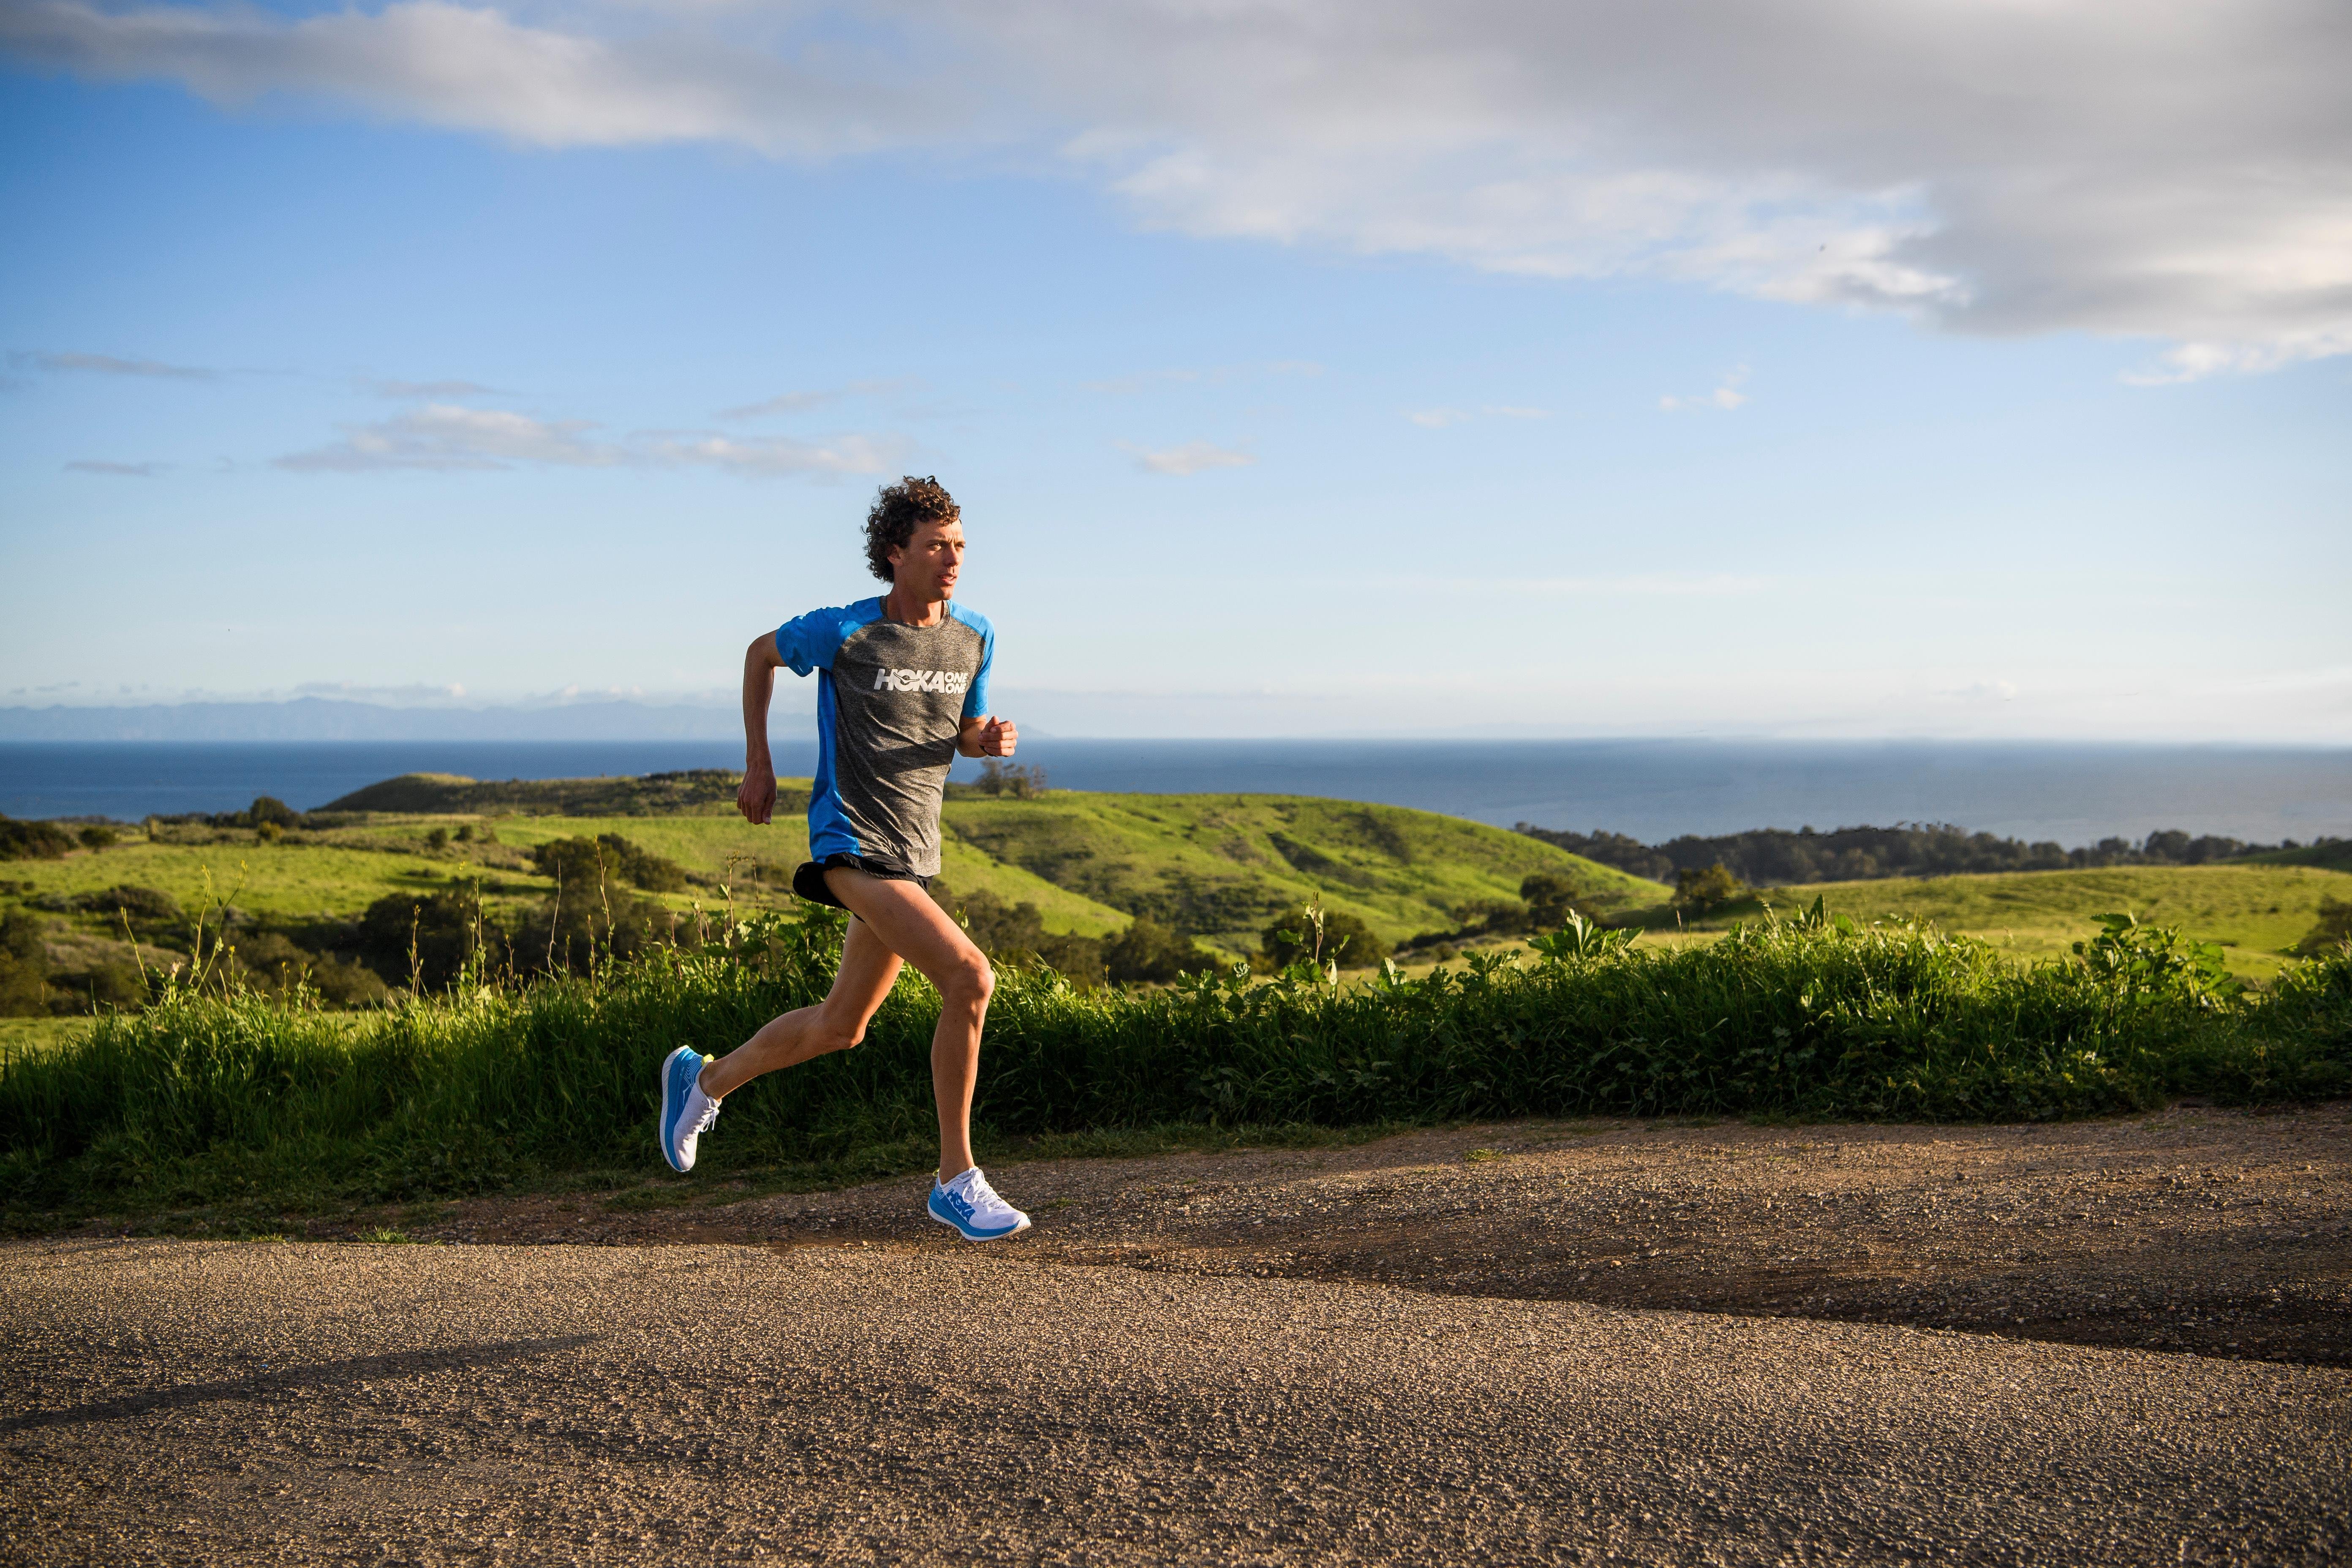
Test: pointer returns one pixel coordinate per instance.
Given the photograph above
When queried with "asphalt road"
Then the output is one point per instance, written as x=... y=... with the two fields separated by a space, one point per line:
x=222 y=1402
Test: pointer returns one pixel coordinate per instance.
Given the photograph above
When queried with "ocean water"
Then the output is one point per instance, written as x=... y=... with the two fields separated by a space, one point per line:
x=1652 y=790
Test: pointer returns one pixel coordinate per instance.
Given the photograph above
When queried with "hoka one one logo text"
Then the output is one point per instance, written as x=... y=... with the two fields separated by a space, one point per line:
x=947 y=680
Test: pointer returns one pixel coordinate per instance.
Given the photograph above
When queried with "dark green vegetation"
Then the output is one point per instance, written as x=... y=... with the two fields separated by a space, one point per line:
x=226 y=1102
x=1773 y=856
x=33 y=840
x=700 y=790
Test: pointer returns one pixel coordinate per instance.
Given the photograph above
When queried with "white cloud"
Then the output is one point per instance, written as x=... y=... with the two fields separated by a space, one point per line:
x=1192 y=458
x=2173 y=171
x=801 y=402
x=119 y=470
x=451 y=437
x=108 y=364
x=1725 y=397
x=1438 y=419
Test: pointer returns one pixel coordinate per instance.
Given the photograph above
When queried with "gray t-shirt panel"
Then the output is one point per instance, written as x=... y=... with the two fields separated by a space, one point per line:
x=891 y=702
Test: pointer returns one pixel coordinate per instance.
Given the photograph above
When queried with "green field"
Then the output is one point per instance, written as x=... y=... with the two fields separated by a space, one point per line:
x=1219 y=867
x=2255 y=912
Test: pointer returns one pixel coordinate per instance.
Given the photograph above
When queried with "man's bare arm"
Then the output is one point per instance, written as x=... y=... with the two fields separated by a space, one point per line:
x=756 y=799
x=987 y=737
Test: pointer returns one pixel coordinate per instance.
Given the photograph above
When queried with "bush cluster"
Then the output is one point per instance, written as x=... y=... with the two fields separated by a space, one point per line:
x=587 y=864
x=1773 y=857
x=206 y=1097
x=33 y=840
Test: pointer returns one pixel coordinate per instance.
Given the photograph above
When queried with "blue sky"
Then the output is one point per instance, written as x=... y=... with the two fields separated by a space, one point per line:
x=332 y=371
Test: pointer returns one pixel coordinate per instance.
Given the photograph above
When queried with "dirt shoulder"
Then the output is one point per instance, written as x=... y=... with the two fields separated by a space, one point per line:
x=2223 y=1233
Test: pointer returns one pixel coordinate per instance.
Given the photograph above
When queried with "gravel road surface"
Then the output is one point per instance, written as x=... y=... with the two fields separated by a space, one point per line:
x=1144 y=1383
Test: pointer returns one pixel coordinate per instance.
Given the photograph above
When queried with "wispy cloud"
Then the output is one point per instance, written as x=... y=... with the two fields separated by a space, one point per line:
x=450 y=436
x=395 y=696
x=1192 y=458
x=1725 y=397
x=119 y=471
x=2180 y=173
x=801 y=402
x=1440 y=418
x=109 y=365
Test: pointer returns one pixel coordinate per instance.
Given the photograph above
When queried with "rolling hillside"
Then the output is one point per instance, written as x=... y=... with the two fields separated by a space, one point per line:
x=1221 y=866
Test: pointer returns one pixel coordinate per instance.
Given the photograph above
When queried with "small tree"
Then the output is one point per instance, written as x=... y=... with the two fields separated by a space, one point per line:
x=1347 y=942
x=1549 y=897
x=1704 y=891
x=1148 y=951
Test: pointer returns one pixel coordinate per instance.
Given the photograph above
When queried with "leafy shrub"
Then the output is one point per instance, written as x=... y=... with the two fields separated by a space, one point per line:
x=144 y=906
x=2334 y=930
x=608 y=858
x=1016 y=934
x=33 y=840
x=98 y=835
x=1320 y=936
x=24 y=967
x=428 y=938
x=1022 y=781
x=274 y=965
x=1549 y=897
x=1148 y=951
x=1704 y=890
x=437 y=840
x=268 y=811
x=110 y=984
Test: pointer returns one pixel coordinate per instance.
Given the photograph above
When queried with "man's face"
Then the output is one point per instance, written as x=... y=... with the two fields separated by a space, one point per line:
x=927 y=564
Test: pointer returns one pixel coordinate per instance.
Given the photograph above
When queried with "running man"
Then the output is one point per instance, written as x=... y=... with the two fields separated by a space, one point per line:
x=902 y=690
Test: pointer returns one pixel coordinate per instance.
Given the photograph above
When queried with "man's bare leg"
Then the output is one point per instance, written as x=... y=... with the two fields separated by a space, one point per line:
x=835 y=1023
x=916 y=929
x=895 y=919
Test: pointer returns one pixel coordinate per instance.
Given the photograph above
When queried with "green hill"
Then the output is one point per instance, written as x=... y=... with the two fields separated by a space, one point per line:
x=701 y=790
x=1223 y=866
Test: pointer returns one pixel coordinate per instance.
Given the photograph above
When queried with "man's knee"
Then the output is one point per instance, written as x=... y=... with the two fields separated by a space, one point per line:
x=970 y=982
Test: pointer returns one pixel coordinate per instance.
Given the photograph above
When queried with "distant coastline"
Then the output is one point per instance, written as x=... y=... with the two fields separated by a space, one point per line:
x=321 y=719
x=1650 y=789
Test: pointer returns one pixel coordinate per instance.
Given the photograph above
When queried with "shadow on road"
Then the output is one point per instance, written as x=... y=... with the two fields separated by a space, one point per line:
x=324 y=1374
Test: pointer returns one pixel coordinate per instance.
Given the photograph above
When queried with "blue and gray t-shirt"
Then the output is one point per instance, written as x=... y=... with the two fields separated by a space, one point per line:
x=890 y=702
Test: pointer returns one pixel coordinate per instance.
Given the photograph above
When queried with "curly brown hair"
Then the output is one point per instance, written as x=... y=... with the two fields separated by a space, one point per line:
x=898 y=511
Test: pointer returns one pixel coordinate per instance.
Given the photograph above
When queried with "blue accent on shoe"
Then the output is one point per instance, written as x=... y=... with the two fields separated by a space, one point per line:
x=949 y=1209
x=679 y=1072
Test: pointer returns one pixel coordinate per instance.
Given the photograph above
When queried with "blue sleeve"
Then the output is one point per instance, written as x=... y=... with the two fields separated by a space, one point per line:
x=809 y=642
x=975 y=699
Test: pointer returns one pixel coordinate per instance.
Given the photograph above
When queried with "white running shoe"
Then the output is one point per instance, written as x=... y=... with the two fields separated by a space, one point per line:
x=968 y=1202
x=686 y=1112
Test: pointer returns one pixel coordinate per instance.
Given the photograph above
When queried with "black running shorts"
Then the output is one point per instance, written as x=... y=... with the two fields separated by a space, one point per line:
x=809 y=880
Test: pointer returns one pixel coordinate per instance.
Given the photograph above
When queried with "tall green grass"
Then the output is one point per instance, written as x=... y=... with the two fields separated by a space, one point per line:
x=211 y=1098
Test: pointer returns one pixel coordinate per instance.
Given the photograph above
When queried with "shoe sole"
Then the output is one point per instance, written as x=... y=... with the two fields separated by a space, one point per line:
x=662 y=1117
x=968 y=1236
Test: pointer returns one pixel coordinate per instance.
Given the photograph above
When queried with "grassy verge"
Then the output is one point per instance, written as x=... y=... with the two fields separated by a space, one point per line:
x=238 y=1104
